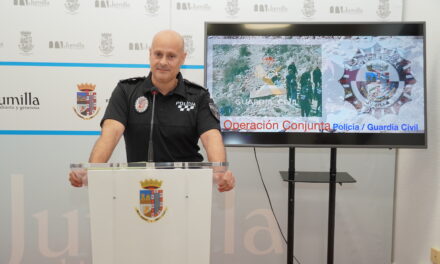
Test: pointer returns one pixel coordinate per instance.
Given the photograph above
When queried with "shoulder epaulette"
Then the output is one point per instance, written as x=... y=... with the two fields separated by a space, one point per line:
x=133 y=80
x=195 y=85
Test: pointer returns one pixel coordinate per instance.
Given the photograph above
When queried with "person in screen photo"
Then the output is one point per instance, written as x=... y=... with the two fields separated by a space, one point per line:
x=317 y=92
x=250 y=81
x=291 y=85
x=306 y=94
x=184 y=113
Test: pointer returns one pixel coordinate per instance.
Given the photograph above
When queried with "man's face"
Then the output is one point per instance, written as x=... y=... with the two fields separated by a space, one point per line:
x=166 y=57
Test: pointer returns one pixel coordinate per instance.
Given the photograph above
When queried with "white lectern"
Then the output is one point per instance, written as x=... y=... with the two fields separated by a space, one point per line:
x=150 y=212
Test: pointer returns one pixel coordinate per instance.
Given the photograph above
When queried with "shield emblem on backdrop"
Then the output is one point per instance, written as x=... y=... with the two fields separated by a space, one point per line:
x=152 y=7
x=308 y=8
x=26 y=41
x=86 y=107
x=106 y=45
x=232 y=7
x=151 y=196
x=86 y=103
x=189 y=44
x=71 y=5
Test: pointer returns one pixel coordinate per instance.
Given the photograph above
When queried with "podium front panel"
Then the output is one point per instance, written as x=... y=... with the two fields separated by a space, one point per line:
x=150 y=215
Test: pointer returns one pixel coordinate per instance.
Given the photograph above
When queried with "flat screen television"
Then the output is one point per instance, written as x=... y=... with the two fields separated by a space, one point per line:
x=318 y=84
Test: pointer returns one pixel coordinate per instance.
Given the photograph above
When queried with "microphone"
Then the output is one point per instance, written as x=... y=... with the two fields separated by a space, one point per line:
x=150 y=157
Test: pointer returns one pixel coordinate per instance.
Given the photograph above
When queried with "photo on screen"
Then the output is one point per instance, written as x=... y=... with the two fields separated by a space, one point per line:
x=362 y=81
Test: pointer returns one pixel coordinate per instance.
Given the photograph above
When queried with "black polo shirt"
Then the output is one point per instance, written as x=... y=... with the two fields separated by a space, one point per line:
x=180 y=118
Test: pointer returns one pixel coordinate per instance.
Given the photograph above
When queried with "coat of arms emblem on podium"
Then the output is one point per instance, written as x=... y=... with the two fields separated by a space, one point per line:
x=151 y=207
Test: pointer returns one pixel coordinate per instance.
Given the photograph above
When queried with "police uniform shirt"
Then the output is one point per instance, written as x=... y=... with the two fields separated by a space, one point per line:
x=180 y=118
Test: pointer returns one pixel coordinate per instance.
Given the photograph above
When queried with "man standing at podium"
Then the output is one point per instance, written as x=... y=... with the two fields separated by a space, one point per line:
x=182 y=113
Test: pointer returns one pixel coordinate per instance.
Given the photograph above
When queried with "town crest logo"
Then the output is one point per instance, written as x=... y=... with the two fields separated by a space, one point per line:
x=151 y=207
x=377 y=81
x=189 y=44
x=383 y=10
x=26 y=42
x=86 y=101
x=308 y=8
x=72 y=5
x=106 y=46
x=232 y=7
x=152 y=7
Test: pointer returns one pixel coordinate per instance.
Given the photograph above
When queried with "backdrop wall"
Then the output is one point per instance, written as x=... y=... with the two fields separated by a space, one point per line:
x=49 y=48
x=417 y=220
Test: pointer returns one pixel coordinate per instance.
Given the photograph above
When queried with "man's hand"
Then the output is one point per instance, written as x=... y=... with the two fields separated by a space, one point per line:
x=111 y=132
x=213 y=144
x=78 y=177
x=225 y=181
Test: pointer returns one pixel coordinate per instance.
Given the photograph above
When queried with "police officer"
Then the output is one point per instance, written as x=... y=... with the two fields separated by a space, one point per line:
x=184 y=113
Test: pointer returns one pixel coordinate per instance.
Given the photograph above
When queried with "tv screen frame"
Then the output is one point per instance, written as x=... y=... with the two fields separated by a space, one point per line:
x=327 y=138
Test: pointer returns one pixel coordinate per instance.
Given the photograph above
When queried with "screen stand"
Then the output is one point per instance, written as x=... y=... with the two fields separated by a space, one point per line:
x=332 y=177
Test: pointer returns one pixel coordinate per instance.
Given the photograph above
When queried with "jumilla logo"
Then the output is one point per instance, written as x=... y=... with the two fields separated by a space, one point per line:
x=112 y=4
x=269 y=8
x=33 y=3
x=377 y=81
x=25 y=101
x=86 y=101
x=345 y=10
x=137 y=46
x=188 y=6
x=65 y=45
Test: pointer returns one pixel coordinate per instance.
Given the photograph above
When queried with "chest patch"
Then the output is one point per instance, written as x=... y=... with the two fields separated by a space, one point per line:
x=141 y=104
x=185 y=106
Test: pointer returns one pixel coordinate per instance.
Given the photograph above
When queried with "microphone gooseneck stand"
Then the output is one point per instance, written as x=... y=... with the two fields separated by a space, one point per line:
x=150 y=157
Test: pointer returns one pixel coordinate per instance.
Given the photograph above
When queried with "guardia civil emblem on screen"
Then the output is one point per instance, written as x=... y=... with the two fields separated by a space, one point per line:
x=151 y=200
x=377 y=81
